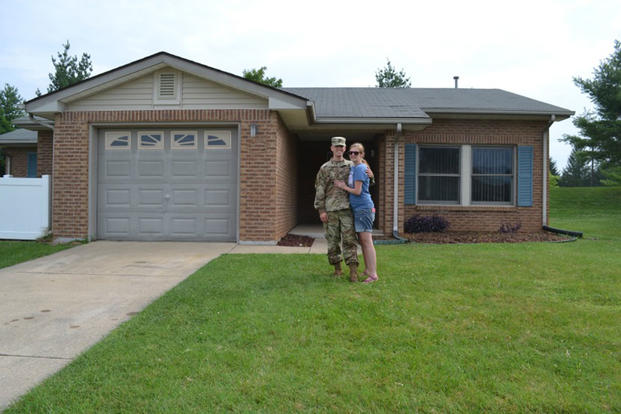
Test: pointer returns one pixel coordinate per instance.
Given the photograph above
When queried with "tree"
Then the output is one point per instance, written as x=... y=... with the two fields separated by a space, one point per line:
x=576 y=172
x=258 y=75
x=68 y=69
x=600 y=131
x=388 y=77
x=553 y=167
x=554 y=175
x=10 y=107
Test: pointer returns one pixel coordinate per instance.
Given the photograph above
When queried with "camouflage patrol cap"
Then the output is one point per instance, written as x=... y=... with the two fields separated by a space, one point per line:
x=338 y=141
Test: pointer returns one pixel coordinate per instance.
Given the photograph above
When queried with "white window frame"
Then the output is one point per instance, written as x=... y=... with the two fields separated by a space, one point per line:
x=111 y=136
x=419 y=175
x=175 y=146
x=221 y=133
x=513 y=175
x=156 y=147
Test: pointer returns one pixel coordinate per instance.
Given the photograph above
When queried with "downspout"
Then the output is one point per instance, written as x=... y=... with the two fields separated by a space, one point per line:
x=395 y=201
x=544 y=214
x=544 y=197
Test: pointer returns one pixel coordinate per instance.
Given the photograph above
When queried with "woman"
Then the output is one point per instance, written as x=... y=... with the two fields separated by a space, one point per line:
x=363 y=207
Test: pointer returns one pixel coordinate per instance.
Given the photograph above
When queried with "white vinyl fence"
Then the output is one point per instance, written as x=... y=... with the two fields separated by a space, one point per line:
x=24 y=207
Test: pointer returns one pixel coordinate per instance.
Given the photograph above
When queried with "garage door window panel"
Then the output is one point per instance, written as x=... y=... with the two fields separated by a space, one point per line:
x=151 y=140
x=118 y=140
x=217 y=140
x=184 y=140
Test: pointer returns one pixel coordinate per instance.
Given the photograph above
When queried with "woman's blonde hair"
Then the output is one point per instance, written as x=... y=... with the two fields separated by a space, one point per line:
x=361 y=148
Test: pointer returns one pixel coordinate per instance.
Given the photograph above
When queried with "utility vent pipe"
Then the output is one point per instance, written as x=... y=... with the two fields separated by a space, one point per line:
x=456 y=78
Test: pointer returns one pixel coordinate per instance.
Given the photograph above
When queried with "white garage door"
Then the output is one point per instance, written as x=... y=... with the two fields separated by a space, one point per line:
x=167 y=184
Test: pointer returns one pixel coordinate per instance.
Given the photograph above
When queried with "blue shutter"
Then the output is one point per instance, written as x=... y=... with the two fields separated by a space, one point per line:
x=525 y=176
x=410 y=173
x=32 y=164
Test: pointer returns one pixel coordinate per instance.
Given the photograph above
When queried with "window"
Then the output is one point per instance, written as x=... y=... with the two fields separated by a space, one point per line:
x=438 y=175
x=151 y=140
x=183 y=140
x=217 y=139
x=118 y=140
x=492 y=175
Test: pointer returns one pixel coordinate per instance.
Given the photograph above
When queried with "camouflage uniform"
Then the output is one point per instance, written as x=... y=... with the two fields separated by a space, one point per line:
x=335 y=201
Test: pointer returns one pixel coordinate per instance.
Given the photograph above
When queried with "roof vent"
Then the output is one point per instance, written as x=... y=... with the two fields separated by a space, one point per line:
x=167 y=85
x=456 y=78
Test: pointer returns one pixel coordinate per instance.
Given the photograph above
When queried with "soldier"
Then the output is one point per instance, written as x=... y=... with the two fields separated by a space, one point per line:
x=332 y=203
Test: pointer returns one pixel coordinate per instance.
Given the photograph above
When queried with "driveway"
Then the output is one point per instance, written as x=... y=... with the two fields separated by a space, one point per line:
x=55 y=307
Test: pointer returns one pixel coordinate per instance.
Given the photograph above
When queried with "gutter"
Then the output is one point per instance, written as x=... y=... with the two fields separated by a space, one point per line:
x=36 y=121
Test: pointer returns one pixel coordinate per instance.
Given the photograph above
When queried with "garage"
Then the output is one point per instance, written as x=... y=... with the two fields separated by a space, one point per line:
x=167 y=184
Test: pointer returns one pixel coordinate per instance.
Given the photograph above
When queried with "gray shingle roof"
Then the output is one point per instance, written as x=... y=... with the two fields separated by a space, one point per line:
x=419 y=102
x=19 y=136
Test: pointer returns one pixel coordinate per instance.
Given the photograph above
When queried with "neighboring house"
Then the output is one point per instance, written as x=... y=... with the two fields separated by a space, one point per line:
x=165 y=148
x=19 y=148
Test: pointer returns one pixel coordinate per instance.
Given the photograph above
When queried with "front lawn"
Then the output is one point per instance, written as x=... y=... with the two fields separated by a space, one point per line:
x=532 y=327
x=14 y=252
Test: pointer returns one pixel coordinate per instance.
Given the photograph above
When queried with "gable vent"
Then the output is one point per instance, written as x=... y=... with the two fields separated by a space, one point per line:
x=167 y=85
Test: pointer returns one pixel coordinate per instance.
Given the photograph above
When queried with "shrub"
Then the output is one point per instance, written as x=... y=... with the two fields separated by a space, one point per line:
x=426 y=224
x=509 y=228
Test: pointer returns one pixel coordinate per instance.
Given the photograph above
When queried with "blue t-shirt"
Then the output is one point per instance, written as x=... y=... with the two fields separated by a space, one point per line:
x=362 y=201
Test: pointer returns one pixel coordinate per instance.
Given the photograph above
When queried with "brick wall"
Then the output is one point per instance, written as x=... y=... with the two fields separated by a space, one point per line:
x=44 y=153
x=19 y=160
x=259 y=191
x=286 y=179
x=466 y=132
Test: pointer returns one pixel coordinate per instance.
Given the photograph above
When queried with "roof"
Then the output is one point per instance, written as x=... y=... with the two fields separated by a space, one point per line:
x=421 y=102
x=19 y=136
x=49 y=104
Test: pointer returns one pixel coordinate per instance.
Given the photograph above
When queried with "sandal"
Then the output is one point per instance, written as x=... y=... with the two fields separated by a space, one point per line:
x=370 y=279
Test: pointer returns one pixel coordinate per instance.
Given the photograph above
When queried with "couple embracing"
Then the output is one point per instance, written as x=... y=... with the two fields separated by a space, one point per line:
x=342 y=186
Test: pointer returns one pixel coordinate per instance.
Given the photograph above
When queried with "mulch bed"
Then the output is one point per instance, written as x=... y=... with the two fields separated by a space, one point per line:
x=484 y=237
x=295 y=240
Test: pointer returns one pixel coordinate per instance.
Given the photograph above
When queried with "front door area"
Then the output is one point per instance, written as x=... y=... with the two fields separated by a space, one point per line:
x=311 y=155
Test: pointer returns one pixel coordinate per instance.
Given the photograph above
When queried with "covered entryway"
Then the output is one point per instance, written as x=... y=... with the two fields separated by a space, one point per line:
x=312 y=154
x=167 y=184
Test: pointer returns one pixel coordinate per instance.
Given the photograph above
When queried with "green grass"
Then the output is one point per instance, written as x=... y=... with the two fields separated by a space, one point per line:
x=532 y=327
x=596 y=211
x=14 y=252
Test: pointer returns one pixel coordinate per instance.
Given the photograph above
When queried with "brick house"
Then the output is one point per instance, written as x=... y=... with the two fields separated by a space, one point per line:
x=19 y=150
x=165 y=148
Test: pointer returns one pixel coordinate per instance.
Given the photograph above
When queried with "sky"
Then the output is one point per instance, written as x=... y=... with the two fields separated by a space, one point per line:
x=532 y=48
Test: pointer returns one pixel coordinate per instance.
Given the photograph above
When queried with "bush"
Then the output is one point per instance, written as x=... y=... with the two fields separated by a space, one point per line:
x=509 y=228
x=426 y=224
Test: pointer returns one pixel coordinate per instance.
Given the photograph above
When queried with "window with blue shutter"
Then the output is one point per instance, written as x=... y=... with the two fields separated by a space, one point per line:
x=525 y=176
x=410 y=174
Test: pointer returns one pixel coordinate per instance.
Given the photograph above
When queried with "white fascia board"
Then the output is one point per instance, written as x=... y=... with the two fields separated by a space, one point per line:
x=277 y=103
x=55 y=101
x=404 y=121
x=493 y=111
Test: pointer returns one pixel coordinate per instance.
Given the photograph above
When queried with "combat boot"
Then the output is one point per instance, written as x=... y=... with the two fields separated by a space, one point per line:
x=337 y=270
x=353 y=272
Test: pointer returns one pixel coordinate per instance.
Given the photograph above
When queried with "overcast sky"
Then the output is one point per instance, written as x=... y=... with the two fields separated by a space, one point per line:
x=532 y=48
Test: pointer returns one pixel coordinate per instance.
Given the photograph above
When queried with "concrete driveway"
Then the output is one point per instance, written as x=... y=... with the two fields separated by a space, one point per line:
x=55 y=307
